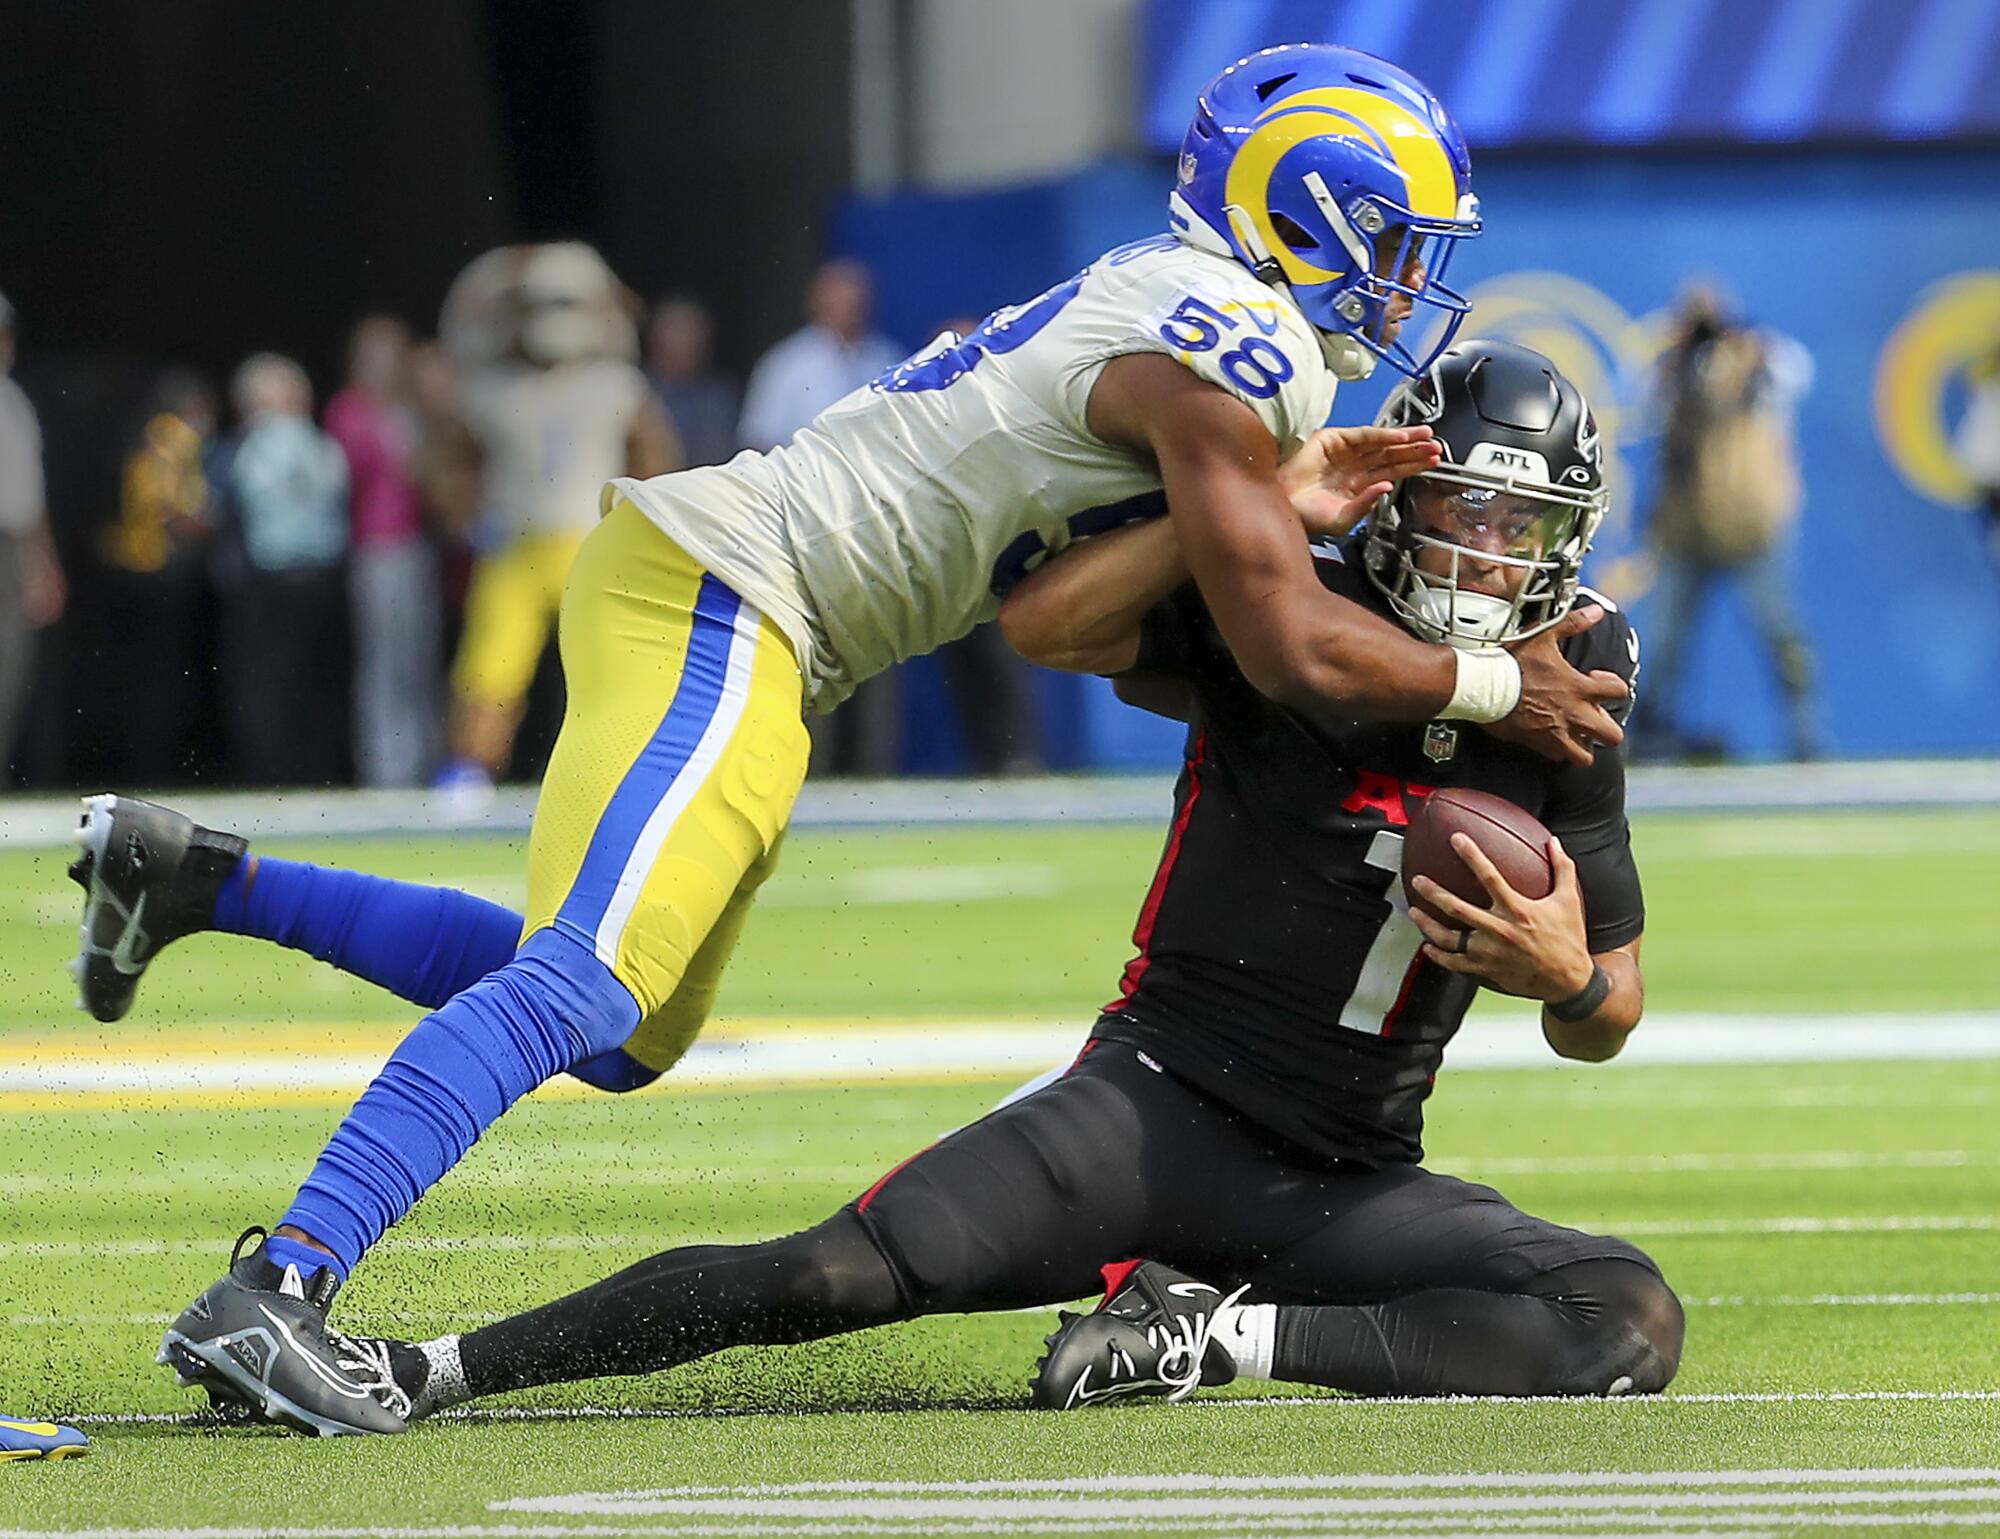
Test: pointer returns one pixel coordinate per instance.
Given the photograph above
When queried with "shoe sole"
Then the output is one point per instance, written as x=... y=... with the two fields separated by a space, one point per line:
x=194 y=1373
x=217 y=1365
x=93 y=838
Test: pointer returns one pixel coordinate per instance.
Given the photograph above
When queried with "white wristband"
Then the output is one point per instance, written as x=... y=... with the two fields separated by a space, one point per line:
x=1489 y=686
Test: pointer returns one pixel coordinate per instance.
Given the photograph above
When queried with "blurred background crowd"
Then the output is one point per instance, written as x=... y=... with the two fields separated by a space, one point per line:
x=290 y=591
x=289 y=476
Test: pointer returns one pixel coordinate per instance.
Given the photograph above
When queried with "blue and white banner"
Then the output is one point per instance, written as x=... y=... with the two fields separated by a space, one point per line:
x=1556 y=72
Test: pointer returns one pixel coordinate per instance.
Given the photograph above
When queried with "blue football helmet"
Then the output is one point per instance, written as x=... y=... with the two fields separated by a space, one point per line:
x=1333 y=174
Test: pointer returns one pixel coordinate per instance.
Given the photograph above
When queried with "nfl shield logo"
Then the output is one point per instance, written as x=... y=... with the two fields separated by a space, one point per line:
x=1440 y=741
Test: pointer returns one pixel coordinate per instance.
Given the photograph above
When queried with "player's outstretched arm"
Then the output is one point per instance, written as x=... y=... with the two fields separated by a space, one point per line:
x=1083 y=611
x=1294 y=641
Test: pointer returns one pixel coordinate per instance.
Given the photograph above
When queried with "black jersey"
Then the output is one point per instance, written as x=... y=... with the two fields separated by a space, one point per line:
x=1278 y=967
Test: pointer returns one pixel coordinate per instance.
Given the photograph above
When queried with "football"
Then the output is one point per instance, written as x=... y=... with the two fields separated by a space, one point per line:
x=1512 y=838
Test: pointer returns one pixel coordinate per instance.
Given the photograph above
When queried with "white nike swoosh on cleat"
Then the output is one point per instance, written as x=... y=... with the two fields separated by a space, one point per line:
x=1190 y=1290
x=129 y=941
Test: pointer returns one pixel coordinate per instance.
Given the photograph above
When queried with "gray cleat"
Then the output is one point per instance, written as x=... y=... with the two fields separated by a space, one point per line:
x=150 y=876
x=259 y=1338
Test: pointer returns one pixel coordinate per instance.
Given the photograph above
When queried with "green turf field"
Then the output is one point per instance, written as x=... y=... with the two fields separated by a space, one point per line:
x=1832 y=1226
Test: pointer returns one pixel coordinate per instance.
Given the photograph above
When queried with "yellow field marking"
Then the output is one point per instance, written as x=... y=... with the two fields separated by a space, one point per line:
x=328 y=1063
x=238 y=1039
x=562 y=1088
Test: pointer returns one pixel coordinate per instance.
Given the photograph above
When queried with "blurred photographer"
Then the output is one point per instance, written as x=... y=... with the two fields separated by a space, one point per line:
x=1729 y=495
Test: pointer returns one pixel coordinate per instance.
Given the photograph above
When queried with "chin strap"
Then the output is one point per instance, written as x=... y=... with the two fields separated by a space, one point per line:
x=1348 y=359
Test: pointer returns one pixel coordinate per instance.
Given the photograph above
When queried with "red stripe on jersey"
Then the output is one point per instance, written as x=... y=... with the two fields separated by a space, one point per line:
x=1149 y=914
x=1403 y=994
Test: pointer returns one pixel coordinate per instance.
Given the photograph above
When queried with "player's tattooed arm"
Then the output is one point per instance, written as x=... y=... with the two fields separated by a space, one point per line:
x=1536 y=949
x=1294 y=641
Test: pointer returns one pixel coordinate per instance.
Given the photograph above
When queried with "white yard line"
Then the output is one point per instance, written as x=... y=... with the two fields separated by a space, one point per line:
x=1840 y=1300
x=1891 y=1224
x=1555 y=1525
x=1674 y=1164
x=806 y=1055
x=376 y=1320
x=1482 y=1480
x=519 y=1174
x=33 y=822
x=528 y=1244
x=1332 y=1404
x=424 y=1243
x=1233 y=1507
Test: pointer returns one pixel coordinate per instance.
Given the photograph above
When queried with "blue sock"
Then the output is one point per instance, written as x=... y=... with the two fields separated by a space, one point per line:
x=424 y=944
x=451 y=1079
x=280 y=1251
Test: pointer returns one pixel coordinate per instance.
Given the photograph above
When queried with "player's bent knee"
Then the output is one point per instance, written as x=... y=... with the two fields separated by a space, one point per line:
x=1635 y=1327
x=1659 y=1325
x=616 y=1071
x=598 y=1012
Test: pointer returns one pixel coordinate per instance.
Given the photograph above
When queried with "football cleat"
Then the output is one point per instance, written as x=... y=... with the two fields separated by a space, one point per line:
x=1152 y=1335
x=400 y=1374
x=20 y=1440
x=259 y=1337
x=149 y=876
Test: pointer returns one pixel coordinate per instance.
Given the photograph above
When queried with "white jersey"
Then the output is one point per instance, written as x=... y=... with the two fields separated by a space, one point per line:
x=894 y=521
x=551 y=438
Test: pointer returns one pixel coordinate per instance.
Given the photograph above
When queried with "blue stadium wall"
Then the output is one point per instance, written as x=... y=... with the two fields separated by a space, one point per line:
x=1885 y=264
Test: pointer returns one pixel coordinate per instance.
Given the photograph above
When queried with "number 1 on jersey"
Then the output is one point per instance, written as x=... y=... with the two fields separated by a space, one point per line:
x=1390 y=966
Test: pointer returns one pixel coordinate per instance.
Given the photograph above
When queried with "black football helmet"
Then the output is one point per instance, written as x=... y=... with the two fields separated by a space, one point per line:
x=1487 y=547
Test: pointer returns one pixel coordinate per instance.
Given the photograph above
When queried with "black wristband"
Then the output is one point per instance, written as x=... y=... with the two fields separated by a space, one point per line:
x=1586 y=1001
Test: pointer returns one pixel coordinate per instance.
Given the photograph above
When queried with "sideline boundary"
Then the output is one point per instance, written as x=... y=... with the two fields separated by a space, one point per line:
x=38 y=1077
x=41 y=822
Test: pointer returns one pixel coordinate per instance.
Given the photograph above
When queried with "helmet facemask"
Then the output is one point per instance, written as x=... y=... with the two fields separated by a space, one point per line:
x=1373 y=243
x=1474 y=559
x=1374 y=309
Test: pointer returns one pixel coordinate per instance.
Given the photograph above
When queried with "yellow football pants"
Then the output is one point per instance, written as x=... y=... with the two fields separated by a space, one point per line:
x=682 y=750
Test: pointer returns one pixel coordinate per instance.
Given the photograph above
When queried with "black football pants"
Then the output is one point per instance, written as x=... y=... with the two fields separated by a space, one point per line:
x=1394 y=1281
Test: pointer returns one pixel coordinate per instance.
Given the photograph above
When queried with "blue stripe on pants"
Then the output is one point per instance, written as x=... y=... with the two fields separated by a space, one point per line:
x=659 y=763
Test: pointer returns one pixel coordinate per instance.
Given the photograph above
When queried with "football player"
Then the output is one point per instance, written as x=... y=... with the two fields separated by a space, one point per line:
x=1320 y=195
x=1247 y=1114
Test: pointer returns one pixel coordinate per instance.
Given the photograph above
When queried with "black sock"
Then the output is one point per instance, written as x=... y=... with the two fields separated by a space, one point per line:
x=1585 y=1328
x=684 y=1304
